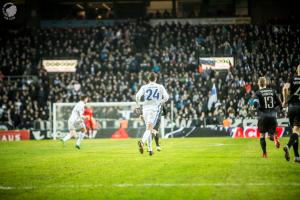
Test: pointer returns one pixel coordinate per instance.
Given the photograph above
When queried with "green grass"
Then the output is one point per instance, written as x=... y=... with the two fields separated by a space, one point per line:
x=197 y=168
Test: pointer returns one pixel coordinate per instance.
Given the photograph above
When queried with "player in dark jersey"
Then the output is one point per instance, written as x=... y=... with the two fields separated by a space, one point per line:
x=266 y=105
x=291 y=97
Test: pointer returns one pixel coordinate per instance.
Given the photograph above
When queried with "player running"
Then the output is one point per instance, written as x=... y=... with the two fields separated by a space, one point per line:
x=291 y=96
x=267 y=102
x=76 y=122
x=155 y=95
x=157 y=125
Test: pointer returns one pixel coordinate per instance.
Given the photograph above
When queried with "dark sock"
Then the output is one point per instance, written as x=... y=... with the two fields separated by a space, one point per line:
x=293 y=140
x=295 y=147
x=156 y=140
x=263 y=145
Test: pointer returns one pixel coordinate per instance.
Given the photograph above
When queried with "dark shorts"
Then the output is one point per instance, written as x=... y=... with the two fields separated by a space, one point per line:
x=267 y=123
x=294 y=115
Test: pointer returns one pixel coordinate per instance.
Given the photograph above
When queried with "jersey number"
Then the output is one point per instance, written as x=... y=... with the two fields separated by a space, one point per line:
x=297 y=93
x=152 y=94
x=269 y=102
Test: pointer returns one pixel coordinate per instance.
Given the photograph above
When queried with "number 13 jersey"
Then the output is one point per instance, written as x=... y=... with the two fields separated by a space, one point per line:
x=268 y=100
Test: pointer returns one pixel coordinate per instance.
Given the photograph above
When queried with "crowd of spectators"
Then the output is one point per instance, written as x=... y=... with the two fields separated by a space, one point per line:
x=113 y=62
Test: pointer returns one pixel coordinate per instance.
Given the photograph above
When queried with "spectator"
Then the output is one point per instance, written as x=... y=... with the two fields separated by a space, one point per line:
x=112 y=61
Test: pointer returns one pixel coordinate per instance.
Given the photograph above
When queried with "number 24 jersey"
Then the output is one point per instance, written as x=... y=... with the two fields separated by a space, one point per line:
x=154 y=95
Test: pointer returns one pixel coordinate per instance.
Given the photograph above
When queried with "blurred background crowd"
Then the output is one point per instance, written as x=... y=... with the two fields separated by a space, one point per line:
x=113 y=61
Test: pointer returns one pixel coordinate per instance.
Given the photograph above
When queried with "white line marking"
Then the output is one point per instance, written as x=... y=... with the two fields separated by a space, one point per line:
x=126 y=185
x=5 y=188
x=215 y=144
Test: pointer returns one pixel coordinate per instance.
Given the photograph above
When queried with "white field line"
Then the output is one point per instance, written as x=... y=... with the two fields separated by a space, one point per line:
x=127 y=185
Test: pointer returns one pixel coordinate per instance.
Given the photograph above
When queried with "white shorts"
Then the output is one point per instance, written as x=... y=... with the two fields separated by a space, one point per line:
x=75 y=125
x=150 y=116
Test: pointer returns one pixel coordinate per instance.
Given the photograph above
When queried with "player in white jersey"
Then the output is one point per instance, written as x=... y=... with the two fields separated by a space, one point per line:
x=76 y=122
x=155 y=95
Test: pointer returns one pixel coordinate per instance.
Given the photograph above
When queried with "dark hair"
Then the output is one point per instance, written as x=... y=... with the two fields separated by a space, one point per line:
x=152 y=76
x=145 y=77
x=83 y=96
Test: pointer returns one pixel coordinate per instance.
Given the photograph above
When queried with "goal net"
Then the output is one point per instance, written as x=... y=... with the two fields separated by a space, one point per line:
x=111 y=120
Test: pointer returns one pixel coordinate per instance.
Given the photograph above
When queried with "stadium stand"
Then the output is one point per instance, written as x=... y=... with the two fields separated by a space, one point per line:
x=113 y=60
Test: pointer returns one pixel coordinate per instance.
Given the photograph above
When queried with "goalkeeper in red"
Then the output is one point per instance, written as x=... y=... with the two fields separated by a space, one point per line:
x=155 y=95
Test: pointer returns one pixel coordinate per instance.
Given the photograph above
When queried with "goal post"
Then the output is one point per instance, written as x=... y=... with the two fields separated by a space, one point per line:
x=111 y=116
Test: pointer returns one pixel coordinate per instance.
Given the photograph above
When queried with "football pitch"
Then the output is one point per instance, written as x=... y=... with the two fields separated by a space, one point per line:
x=193 y=168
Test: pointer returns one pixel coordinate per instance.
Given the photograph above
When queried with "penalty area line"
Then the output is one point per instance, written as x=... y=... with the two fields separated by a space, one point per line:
x=128 y=185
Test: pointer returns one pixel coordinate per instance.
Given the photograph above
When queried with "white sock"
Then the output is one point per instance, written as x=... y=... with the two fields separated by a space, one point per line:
x=80 y=138
x=67 y=137
x=146 y=136
x=150 y=142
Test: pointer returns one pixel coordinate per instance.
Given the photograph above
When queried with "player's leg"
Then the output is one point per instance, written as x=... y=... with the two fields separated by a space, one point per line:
x=147 y=137
x=156 y=138
x=154 y=120
x=294 y=138
x=272 y=131
x=72 y=131
x=155 y=134
x=81 y=135
x=89 y=130
x=263 y=144
x=262 y=130
x=150 y=118
x=91 y=133
x=296 y=130
x=146 y=134
x=149 y=144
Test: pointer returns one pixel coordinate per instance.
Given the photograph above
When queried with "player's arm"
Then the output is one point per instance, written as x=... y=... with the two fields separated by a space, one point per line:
x=277 y=100
x=165 y=96
x=285 y=94
x=138 y=96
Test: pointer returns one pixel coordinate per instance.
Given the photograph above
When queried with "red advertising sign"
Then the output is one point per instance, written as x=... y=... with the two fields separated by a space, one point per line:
x=14 y=135
x=252 y=132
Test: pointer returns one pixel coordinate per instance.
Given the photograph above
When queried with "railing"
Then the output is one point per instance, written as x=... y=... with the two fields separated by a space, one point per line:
x=17 y=78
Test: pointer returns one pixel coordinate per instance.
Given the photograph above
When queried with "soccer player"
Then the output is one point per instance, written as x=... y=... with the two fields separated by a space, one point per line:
x=76 y=122
x=88 y=121
x=157 y=125
x=155 y=95
x=291 y=96
x=267 y=102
